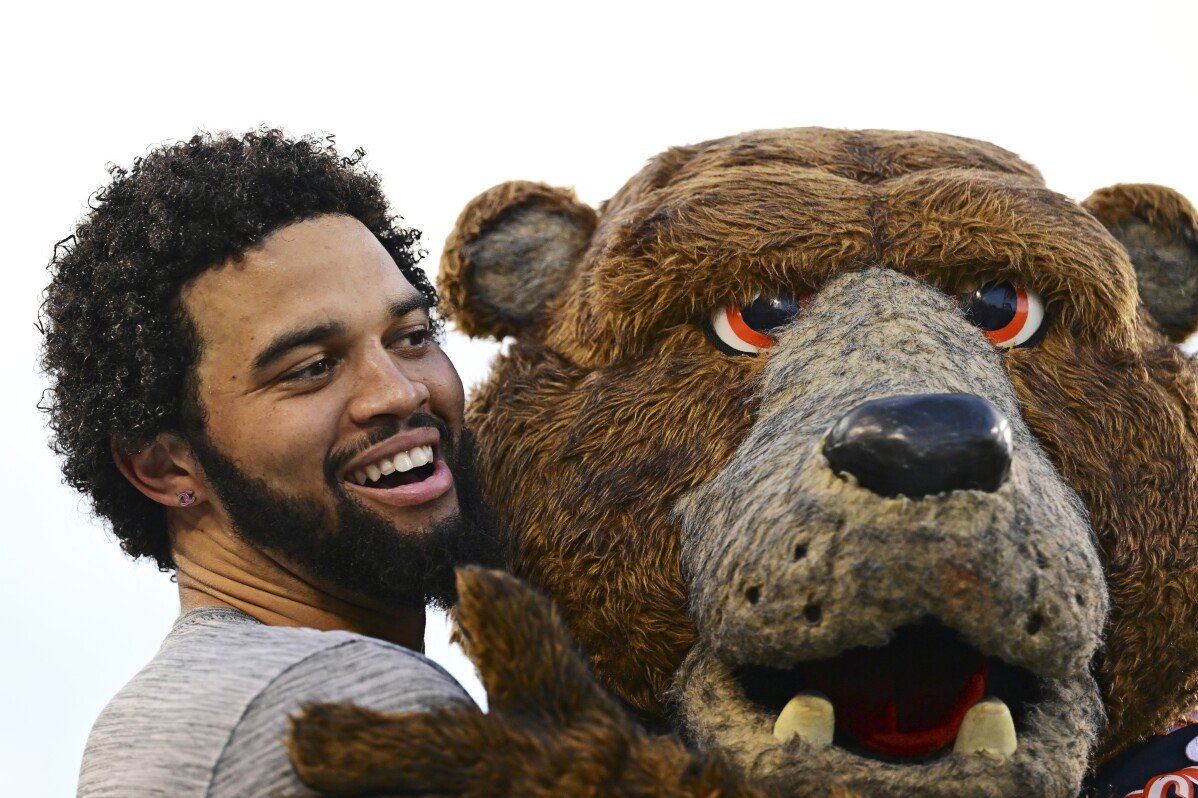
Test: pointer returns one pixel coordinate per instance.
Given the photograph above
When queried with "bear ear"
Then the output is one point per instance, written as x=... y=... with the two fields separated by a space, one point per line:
x=512 y=250
x=1159 y=229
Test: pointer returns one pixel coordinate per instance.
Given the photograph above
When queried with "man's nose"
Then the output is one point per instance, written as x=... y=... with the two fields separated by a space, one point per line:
x=383 y=387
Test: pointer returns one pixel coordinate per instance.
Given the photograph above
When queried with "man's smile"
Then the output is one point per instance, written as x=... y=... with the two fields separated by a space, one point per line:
x=403 y=471
x=405 y=466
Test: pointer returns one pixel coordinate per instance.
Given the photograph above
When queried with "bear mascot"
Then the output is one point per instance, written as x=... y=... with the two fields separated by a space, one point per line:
x=859 y=460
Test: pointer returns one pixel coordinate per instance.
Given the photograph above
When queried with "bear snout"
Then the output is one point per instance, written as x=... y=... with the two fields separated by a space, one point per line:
x=922 y=445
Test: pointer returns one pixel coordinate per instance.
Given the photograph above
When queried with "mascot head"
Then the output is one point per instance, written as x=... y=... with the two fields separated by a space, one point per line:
x=861 y=456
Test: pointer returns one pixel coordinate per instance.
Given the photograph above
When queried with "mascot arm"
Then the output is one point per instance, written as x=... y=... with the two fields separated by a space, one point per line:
x=551 y=728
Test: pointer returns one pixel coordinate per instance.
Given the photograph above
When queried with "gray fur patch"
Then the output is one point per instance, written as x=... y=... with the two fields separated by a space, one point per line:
x=1166 y=271
x=523 y=259
x=1015 y=572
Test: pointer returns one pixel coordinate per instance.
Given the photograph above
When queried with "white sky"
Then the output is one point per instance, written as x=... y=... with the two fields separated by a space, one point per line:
x=449 y=99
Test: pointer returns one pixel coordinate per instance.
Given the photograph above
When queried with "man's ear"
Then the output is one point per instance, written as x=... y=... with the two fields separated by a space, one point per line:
x=1159 y=229
x=513 y=249
x=161 y=469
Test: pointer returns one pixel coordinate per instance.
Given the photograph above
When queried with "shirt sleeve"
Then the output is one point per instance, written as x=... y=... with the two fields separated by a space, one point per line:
x=387 y=678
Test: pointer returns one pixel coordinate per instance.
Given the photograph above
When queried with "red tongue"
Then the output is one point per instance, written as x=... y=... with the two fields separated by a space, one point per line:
x=902 y=700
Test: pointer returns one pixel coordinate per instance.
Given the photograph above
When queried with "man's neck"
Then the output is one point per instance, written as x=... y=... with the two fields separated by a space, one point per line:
x=214 y=568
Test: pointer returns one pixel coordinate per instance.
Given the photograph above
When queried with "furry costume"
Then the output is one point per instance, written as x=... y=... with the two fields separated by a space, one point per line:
x=675 y=501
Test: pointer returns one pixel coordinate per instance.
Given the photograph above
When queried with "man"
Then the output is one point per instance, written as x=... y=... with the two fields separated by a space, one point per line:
x=247 y=384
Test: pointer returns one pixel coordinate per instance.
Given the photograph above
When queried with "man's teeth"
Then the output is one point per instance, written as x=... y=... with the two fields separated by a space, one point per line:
x=987 y=729
x=404 y=461
x=809 y=715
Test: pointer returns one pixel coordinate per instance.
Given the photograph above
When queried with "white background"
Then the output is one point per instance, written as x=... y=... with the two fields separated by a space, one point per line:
x=449 y=99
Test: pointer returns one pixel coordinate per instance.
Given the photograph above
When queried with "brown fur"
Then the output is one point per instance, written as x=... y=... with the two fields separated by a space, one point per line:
x=611 y=404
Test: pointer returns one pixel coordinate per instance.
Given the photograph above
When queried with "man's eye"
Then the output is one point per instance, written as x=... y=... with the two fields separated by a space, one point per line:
x=415 y=338
x=313 y=372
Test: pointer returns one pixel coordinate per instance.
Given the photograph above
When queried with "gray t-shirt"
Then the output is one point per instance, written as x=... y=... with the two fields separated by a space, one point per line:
x=208 y=715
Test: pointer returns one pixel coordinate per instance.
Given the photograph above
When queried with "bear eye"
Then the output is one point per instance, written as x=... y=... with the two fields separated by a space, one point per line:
x=1010 y=315
x=748 y=329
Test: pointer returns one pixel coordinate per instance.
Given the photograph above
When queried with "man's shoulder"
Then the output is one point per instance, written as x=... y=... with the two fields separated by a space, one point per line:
x=246 y=656
x=214 y=702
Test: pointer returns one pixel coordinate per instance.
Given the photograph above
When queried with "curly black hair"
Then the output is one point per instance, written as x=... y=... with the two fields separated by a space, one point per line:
x=118 y=347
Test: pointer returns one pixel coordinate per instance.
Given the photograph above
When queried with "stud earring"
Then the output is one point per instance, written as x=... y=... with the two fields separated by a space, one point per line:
x=187 y=498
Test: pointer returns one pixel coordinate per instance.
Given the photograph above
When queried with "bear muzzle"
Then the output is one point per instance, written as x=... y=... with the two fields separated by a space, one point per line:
x=889 y=564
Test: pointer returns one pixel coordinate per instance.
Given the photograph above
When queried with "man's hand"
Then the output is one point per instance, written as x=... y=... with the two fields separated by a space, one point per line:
x=551 y=730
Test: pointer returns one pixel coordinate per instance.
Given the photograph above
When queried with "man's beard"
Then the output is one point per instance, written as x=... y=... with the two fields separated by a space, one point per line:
x=361 y=552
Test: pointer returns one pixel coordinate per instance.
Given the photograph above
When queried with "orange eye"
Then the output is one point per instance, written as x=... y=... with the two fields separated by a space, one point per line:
x=1010 y=315
x=748 y=329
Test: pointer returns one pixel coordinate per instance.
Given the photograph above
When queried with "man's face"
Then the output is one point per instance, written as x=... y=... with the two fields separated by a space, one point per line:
x=316 y=368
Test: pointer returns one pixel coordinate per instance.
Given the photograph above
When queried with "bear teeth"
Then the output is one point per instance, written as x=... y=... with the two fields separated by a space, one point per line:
x=809 y=715
x=987 y=729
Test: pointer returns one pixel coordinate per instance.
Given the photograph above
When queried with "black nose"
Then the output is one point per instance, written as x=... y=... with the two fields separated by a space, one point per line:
x=921 y=445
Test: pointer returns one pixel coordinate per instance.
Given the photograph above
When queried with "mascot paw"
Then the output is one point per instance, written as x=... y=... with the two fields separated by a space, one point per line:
x=342 y=749
x=551 y=728
x=519 y=644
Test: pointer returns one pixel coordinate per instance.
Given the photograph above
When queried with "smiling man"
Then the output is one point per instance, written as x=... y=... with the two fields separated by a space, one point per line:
x=246 y=382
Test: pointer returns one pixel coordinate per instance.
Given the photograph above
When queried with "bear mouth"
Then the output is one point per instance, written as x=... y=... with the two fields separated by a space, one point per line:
x=902 y=703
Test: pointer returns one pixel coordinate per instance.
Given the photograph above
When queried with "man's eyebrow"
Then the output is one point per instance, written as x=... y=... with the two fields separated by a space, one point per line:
x=290 y=340
x=403 y=307
x=321 y=332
